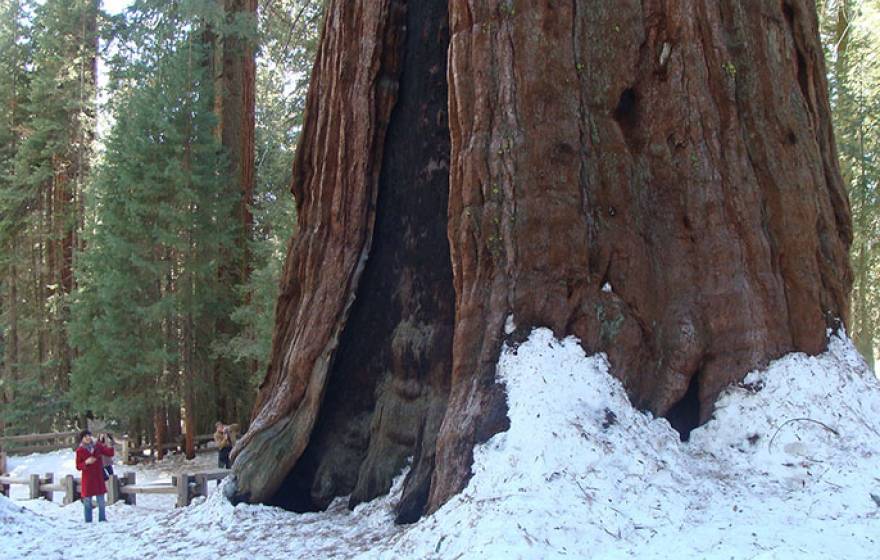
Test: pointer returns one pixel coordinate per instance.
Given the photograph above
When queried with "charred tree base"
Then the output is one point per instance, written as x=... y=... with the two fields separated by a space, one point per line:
x=389 y=380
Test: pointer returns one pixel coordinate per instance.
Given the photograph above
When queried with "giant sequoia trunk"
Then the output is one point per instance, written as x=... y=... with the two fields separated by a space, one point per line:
x=656 y=178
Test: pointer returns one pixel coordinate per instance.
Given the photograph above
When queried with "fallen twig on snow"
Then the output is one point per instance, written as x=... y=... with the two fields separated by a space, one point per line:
x=787 y=422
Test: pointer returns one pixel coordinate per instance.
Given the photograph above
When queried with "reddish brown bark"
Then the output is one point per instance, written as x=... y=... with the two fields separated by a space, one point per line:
x=388 y=381
x=189 y=429
x=172 y=413
x=159 y=425
x=335 y=184
x=70 y=165
x=679 y=152
x=233 y=66
x=682 y=153
x=237 y=109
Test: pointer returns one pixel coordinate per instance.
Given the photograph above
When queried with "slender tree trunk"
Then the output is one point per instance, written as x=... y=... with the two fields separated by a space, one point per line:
x=40 y=292
x=188 y=379
x=159 y=422
x=189 y=403
x=863 y=331
x=237 y=116
x=73 y=172
x=187 y=367
x=235 y=82
x=862 y=327
x=173 y=415
x=657 y=178
x=11 y=339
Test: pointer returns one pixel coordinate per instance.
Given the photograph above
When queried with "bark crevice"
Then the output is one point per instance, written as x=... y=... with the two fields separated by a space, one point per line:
x=388 y=381
x=684 y=415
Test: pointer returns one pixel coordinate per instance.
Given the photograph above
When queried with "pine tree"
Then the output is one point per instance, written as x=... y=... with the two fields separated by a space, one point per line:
x=14 y=57
x=288 y=40
x=151 y=294
x=851 y=31
x=42 y=201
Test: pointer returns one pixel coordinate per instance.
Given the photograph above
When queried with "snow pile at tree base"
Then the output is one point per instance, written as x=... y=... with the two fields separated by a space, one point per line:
x=581 y=473
x=785 y=470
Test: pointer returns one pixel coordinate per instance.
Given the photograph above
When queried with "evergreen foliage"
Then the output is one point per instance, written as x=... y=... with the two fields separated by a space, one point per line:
x=150 y=293
x=288 y=39
x=851 y=35
x=48 y=89
x=150 y=232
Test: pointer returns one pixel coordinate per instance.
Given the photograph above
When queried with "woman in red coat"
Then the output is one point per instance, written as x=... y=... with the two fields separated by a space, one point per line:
x=89 y=460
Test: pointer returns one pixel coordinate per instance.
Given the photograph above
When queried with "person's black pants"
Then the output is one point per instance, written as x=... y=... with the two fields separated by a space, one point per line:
x=108 y=472
x=223 y=458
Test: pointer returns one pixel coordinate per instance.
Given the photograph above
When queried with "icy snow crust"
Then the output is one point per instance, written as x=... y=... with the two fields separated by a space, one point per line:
x=785 y=470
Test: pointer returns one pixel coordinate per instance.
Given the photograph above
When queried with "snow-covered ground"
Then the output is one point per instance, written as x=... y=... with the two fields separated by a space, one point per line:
x=786 y=469
x=63 y=463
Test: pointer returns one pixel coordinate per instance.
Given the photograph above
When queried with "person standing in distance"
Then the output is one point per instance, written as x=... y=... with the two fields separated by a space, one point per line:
x=107 y=461
x=89 y=460
x=223 y=439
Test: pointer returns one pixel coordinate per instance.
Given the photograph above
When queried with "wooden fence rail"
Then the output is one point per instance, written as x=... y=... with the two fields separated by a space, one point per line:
x=185 y=486
x=23 y=445
x=128 y=451
x=29 y=438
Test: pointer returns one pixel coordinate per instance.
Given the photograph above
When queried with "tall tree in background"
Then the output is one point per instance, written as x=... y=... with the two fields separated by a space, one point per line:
x=235 y=79
x=288 y=39
x=210 y=334
x=162 y=228
x=43 y=214
x=164 y=327
x=851 y=33
x=15 y=55
x=658 y=179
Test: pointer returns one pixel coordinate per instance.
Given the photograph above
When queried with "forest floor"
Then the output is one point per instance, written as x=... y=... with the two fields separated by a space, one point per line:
x=785 y=469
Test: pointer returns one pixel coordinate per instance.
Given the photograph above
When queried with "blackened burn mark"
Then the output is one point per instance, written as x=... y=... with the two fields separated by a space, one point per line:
x=803 y=76
x=684 y=415
x=627 y=116
x=406 y=291
x=626 y=113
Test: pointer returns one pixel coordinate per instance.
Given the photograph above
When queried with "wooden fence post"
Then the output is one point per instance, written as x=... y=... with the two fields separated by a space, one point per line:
x=185 y=487
x=125 y=451
x=49 y=495
x=112 y=489
x=34 y=486
x=201 y=485
x=69 y=490
x=181 y=482
x=130 y=479
x=4 y=489
x=2 y=462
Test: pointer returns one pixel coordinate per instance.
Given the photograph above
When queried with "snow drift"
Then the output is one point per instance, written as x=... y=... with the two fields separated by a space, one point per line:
x=20 y=520
x=581 y=472
x=786 y=468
